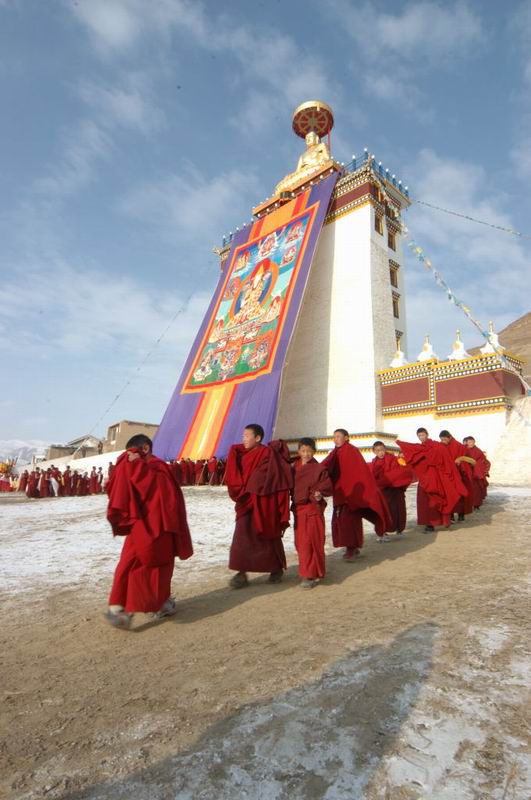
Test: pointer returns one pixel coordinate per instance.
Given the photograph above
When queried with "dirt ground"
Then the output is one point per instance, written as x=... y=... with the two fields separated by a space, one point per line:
x=404 y=676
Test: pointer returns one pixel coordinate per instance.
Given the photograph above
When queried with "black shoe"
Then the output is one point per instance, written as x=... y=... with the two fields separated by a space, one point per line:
x=429 y=529
x=461 y=518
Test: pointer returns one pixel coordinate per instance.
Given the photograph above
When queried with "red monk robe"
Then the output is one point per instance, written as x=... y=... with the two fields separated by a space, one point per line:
x=44 y=485
x=93 y=482
x=459 y=451
x=23 y=482
x=177 y=472
x=393 y=479
x=67 y=482
x=147 y=506
x=440 y=486
x=479 y=475
x=212 y=468
x=190 y=472
x=308 y=512
x=259 y=482
x=356 y=497
x=32 y=489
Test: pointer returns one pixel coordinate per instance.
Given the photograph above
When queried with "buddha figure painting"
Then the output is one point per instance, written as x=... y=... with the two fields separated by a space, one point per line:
x=245 y=325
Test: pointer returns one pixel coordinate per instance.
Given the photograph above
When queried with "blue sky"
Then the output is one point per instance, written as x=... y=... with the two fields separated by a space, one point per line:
x=135 y=134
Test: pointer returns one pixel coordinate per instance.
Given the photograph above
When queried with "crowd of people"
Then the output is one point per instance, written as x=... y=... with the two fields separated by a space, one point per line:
x=53 y=482
x=146 y=505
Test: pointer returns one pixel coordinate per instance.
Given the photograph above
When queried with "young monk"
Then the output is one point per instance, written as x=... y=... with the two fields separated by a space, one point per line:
x=439 y=483
x=480 y=472
x=311 y=485
x=356 y=496
x=259 y=480
x=392 y=478
x=146 y=506
x=465 y=464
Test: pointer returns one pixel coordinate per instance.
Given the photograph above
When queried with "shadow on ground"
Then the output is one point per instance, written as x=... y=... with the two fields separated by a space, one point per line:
x=321 y=740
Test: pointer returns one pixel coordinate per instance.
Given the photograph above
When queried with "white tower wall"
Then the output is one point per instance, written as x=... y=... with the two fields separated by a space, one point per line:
x=344 y=334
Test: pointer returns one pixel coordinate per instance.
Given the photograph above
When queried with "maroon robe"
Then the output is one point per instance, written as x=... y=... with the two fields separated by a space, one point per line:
x=440 y=486
x=458 y=450
x=67 y=482
x=44 y=485
x=393 y=479
x=213 y=474
x=259 y=482
x=146 y=506
x=356 y=497
x=93 y=482
x=309 y=518
x=479 y=474
x=23 y=482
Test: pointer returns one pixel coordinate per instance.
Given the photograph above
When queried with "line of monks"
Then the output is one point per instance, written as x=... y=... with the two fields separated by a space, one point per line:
x=146 y=505
x=203 y=472
x=53 y=482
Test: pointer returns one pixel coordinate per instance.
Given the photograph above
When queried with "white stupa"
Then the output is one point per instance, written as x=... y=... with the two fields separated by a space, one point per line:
x=458 y=349
x=399 y=359
x=492 y=345
x=427 y=354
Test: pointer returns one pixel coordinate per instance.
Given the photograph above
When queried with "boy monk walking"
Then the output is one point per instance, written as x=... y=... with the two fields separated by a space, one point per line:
x=311 y=485
x=146 y=506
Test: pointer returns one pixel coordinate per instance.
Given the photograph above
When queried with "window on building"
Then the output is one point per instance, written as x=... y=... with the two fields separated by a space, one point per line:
x=378 y=223
x=396 y=306
x=393 y=275
x=391 y=239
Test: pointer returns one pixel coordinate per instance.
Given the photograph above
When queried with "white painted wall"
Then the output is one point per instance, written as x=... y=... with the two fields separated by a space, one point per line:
x=344 y=334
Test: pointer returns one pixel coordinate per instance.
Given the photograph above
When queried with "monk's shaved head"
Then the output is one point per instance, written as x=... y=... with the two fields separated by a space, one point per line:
x=140 y=441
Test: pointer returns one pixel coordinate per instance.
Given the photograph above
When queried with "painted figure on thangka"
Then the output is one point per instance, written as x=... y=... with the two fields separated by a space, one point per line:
x=241 y=338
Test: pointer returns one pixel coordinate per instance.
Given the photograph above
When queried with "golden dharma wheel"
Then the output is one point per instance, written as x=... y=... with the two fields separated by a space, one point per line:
x=313 y=115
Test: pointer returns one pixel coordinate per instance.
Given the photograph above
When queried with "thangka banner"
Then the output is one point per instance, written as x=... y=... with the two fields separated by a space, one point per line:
x=232 y=375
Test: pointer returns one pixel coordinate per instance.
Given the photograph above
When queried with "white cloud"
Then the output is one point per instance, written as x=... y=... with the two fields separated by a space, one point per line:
x=83 y=146
x=190 y=203
x=520 y=30
x=487 y=270
x=52 y=310
x=129 y=105
x=396 y=48
x=113 y=24
x=273 y=66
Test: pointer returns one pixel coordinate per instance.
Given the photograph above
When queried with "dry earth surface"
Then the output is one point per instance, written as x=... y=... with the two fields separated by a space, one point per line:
x=404 y=676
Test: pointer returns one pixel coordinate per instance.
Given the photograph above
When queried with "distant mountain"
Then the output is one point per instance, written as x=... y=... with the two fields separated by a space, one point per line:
x=22 y=451
x=516 y=338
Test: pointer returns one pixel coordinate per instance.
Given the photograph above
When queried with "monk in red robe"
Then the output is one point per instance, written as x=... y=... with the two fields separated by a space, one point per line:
x=44 y=484
x=67 y=482
x=439 y=482
x=190 y=472
x=75 y=483
x=311 y=485
x=212 y=468
x=93 y=482
x=480 y=472
x=465 y=464
x=259 y=480
x=392 y=478
x=56 y=482
x=23 y=482
x=84 y=485
x=146 y=506
x=32 y=489
x=356 y=496
x=177 y=471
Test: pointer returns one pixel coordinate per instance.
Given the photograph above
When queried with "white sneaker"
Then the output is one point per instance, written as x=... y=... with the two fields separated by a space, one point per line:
x=168 y=609
x=384 y=538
